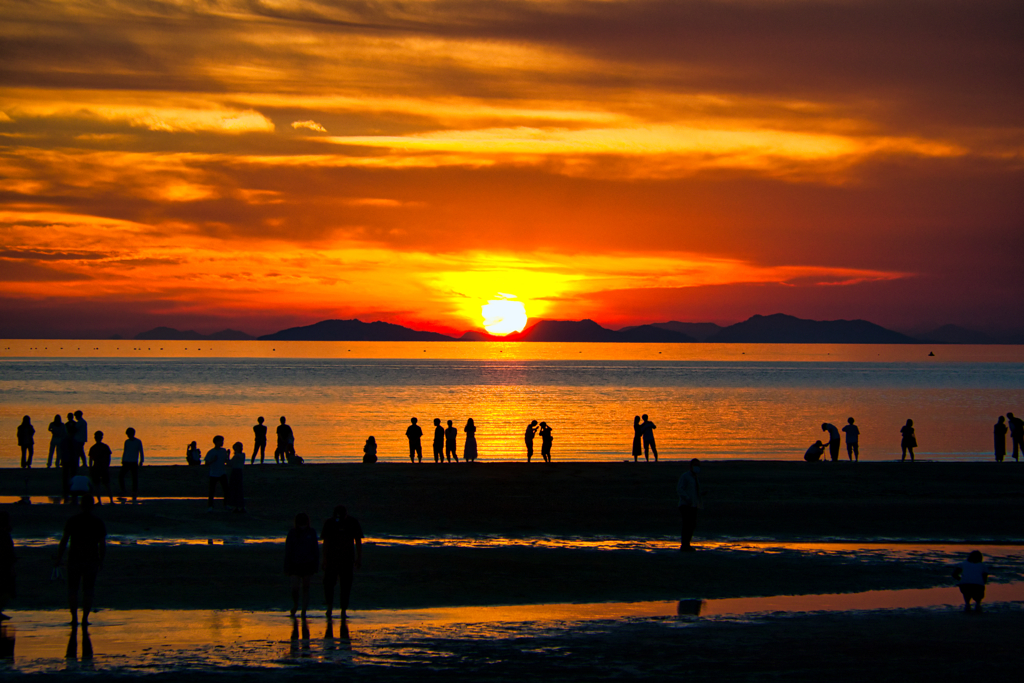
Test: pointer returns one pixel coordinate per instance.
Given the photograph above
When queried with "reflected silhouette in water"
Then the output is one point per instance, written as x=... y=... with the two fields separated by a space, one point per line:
x=689 y=608
x=6 y=641
x=297 y=644
x=343 y=641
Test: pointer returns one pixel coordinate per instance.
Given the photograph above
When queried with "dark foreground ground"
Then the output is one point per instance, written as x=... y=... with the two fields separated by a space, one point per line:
x=974 y=503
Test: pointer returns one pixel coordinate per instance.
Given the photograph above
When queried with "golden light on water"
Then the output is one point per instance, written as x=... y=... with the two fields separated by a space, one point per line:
x=503 y=315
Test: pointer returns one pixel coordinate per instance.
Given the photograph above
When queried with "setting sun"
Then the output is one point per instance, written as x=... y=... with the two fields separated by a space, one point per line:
x=504 y=316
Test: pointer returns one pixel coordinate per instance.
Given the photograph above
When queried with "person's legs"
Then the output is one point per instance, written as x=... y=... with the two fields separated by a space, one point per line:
x=296 y=580
x=24 y=451
x=529 y=450
x=904 y=453
x=412 y=452
x=120 y=477
x=647 y=451
x=654 y=450
x=74 y=578
x=49 y=458
x=134 y=469
x=224 y=487
x=212 y=490
x=88 y=589
x=910 y=450
x=330 y=578
x=688 y=523
x=305 y=580
x=345 y=588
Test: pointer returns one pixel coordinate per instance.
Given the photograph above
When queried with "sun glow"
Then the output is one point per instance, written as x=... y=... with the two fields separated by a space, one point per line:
x=504 y=316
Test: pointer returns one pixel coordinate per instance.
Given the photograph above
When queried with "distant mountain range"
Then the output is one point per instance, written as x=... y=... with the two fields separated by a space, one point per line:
x=759 y=329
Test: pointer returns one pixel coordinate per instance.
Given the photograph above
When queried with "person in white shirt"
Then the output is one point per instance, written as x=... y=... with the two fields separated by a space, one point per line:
x=972 y=575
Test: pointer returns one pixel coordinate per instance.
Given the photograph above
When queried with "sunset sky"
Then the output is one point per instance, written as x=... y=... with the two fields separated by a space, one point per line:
x=263 y=164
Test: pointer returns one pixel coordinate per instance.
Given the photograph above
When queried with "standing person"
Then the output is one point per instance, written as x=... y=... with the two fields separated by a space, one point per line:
x=81 y=435
x=451 y=436
x=301 y=557
x=638 y=435
x=260 y=446
x=690 y=503
x=531 y=431
x=999 y=437
x=67 y=454
x=852 y=440
x=217 y=459
x=834 y=440
x=57 y=432
x=285 y=443
x=971 y=576
x=469 y=450
x=27 y=441
x=131 y=459
x=909 y=441
x=370 y=450
x=87 y=536
x=1016 y=434
x=236 y=494
x=647 y=433
x=413 y=432
x=545 y=442
x=342 y=539
x=193 y=456
x=7 y=560
x=438 y=440
x=99 y=466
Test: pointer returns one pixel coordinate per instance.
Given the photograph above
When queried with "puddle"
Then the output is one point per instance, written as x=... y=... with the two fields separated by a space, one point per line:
x=161 y=640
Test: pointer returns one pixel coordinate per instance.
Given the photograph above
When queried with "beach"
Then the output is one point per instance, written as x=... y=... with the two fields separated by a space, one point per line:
x=518 y=534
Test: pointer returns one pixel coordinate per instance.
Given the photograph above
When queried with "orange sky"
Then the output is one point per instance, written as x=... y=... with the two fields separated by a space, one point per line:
x=259 y=165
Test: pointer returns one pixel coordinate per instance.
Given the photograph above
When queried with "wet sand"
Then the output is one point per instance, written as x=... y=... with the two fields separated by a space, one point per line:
x=959 y=502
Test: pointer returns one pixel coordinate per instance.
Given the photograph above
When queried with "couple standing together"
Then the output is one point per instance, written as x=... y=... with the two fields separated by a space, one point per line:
x=643 y=433
x=546 y=439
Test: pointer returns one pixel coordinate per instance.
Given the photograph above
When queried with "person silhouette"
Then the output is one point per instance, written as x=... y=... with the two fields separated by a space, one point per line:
x=236 y=490
x=834 y=440
x=217 y=458
x=451 y=436
x=87 y=537
x=27 y=442
x=193 y=456
x=909 y=441
x=99 y=466
x=57 y=432
x=260 y=445
x=638 y=433
x=285 y=443
x=414 y=433
x=370 y=450
x=971 y=576
x=438 y=444
x=131 y=459
x=301 y=558
x=469 y=450
x=852 y=432
x=531 y=431
x=814 y=453
x=1016 y=434
x=545 y=441
x=81 y=436
x=67 y=455
x=342 y=539
x=999 y=430
x=690 y=504
x=647 y=432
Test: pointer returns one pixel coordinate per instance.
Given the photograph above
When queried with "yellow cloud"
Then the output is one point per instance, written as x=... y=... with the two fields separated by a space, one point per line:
x=311 y=125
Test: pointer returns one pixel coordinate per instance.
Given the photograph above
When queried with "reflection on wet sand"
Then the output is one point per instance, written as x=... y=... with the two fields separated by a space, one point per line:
x=154 y=640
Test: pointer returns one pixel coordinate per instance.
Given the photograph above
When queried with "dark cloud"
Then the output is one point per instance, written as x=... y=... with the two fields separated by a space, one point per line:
x=27 y=271
x=50 y=255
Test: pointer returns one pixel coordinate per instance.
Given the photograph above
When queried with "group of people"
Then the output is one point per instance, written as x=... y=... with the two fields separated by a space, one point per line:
x=82 y=475
x=444 y=445
x=1015 y=426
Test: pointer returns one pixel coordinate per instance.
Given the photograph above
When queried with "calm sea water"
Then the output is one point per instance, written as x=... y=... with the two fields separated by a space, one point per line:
x=715 y=401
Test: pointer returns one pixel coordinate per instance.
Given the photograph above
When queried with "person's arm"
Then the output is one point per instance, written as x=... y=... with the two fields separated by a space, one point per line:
x=142 y=455
x=61 y=547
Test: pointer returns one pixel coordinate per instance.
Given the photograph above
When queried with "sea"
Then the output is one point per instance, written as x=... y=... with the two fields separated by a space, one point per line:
x=711 y=401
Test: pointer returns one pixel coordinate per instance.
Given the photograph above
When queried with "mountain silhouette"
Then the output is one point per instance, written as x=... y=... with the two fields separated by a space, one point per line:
x=787 y=329
x=354 y=330
x=698 y=332
x=171 y=334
